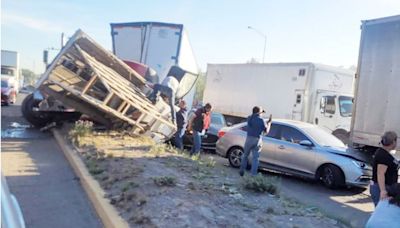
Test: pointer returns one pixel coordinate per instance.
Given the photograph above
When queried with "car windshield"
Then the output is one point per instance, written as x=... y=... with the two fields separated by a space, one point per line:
x=346 y=106
x=322 y=137
x=218 y=119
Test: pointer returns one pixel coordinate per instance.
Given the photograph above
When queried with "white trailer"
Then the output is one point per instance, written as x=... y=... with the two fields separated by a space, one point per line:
x=377 y=99
x=309 y=92
x=160 y=46
x=10 y=67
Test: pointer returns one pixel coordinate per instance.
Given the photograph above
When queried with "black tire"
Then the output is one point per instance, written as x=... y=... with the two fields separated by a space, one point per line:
x=343 y=135
x=332 y=176
x=234 y=156
x=37 y=119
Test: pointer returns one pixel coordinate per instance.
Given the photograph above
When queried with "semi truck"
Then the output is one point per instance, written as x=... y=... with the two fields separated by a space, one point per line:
x=10 y=68
x=376 y=106
x=159 y=46
x=309 y=92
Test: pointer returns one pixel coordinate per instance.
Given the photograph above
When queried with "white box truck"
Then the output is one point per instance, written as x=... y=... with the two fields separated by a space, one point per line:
x=309 y=92
x=10 y=68
x=377 y=100
x=159 y=46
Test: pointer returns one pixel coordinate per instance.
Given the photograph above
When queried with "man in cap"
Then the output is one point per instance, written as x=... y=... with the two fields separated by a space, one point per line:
x=255 y=128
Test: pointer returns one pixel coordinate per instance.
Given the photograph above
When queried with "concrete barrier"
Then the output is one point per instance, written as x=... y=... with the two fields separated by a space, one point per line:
x=107 y=213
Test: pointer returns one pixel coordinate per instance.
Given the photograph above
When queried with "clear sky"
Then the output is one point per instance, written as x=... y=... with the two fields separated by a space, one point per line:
x=322 y=31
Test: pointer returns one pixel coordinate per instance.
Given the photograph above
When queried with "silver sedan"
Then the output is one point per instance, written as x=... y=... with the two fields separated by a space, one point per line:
x=300 y=149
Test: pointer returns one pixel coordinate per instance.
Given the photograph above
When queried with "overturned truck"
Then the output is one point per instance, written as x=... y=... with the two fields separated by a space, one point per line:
x=86 y=79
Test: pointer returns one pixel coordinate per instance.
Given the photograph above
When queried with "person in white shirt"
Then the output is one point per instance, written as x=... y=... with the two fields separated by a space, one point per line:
x=168 y=87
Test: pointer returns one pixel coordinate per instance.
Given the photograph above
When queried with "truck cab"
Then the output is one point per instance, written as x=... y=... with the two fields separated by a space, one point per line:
x=333 y=113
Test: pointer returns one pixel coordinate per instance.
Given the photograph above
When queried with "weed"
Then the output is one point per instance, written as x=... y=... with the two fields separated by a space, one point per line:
x=270 y=210
x=247 y=205
x=210 y=162
x=165 y=181
x=195 y=157
x=110 y=155
x=129 y=185
x=80 y=129
x=261 y=183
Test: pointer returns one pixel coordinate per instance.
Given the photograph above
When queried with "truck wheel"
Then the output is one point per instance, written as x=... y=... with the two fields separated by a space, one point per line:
x=37 y=119
x=343 y=135
x=332 y=176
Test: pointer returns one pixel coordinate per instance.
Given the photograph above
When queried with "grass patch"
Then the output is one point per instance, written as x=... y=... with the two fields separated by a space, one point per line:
x=93 y=167
x=165 y=181
x=261 y=183
x=157 y=149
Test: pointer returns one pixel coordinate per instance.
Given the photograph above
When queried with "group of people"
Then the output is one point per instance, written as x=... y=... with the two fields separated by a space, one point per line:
x=198 y=123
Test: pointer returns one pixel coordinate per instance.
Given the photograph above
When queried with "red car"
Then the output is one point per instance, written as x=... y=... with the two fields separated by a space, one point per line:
x=8 y=92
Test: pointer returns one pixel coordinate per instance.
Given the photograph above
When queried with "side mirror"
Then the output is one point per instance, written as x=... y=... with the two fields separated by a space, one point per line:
x=306 y=143
x=229 y=124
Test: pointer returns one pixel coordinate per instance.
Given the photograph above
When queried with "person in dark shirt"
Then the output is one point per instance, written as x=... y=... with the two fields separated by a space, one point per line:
x=181 y=122
x=385 y=168
x=255 y=128
x=196 y=123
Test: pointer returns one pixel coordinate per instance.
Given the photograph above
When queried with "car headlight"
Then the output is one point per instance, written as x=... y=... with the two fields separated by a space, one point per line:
x=361 y=165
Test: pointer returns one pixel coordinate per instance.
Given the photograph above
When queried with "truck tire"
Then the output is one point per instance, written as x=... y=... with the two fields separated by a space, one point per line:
x=343 y=135
x=37 y=119
x=331 y=176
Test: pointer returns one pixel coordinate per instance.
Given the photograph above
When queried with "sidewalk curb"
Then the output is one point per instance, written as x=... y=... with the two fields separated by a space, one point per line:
x=106 y=212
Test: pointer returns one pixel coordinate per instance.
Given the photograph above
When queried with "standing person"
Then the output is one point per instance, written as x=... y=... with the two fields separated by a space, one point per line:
x=255 y=128
x=169 y=87
x=387 y=211
x=198 y=125
x=181 y=122
x=385 y=167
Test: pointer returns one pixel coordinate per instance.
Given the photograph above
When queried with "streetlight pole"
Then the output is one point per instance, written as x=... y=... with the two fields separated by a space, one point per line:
x=265 y=39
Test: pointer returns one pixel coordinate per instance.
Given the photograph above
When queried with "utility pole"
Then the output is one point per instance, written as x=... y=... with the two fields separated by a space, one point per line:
x=265 y=39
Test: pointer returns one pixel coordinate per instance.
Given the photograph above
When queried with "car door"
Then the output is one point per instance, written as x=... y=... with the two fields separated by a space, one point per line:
x=270 y=145
x=290 y=154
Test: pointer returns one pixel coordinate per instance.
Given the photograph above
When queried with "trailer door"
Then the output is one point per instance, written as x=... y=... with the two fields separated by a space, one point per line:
x=298 y=105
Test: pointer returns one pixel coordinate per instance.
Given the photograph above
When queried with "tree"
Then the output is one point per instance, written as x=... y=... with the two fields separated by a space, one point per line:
x=30 y=77
x=252 y=60
x=200 y=85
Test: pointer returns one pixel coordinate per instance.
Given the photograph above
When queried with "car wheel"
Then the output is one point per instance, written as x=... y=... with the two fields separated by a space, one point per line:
x=332 y=176
x=235 y=156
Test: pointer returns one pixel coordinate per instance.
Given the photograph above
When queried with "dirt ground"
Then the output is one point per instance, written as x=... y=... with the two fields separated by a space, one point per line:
x=154 y=185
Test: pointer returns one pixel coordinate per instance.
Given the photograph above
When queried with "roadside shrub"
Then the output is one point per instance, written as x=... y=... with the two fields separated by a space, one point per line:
x=260 y=183
x=80 y=129
x=165 y=181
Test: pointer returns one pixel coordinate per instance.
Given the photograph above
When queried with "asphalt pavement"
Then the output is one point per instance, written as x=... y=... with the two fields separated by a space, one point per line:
x=49 y=193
